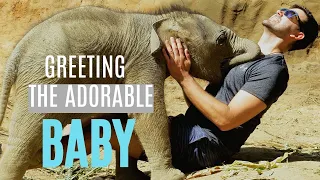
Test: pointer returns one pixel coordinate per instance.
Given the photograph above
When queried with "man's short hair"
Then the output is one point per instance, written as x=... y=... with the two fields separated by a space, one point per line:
x=310 y=29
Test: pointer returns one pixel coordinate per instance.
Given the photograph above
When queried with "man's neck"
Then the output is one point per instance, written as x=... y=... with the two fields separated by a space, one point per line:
x=270 y=43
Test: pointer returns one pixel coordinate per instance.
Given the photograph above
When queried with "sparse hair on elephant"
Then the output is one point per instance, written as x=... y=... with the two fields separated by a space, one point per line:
x=136 y=36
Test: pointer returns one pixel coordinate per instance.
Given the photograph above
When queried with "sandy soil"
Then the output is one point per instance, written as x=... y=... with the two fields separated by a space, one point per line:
x=291 y=124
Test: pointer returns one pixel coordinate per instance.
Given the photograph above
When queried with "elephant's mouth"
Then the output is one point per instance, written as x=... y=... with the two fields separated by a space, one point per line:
x=215 y=78
x=211 y=76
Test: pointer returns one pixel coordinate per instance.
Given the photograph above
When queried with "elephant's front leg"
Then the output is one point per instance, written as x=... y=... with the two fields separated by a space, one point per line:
x=153 y=132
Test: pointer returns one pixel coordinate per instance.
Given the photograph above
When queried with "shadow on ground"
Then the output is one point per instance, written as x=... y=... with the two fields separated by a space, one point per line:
x=255 y=154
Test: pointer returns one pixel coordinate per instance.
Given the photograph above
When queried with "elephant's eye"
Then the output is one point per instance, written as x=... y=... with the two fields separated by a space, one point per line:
x=222 y=38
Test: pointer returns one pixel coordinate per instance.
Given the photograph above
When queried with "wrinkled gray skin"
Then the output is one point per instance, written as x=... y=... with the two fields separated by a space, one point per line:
x=99 y=31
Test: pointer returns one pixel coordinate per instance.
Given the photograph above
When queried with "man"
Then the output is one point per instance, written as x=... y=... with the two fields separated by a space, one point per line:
x=220 y=120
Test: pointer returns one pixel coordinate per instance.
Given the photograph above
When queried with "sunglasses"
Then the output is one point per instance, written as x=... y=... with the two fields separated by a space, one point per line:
x=290 y=14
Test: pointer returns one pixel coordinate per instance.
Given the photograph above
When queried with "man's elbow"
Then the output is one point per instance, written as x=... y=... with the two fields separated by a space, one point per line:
x=224 y=128
x=224 y=125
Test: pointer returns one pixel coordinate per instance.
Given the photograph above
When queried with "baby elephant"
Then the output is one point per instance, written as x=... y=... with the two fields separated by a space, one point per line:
x=139 y=38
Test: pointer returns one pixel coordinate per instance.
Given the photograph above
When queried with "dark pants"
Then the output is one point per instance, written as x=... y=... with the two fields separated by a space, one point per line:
x=193 y=147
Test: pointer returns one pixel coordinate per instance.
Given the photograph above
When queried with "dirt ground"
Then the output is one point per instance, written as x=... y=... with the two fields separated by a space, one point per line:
x=290 y=125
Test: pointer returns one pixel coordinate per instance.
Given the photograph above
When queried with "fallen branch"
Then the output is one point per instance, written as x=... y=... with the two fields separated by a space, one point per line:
x=240 y=166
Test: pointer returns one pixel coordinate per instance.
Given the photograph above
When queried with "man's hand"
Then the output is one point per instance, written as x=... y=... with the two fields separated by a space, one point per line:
x=178 y=60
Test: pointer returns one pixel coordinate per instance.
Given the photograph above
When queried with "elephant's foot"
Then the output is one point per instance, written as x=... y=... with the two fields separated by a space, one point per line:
x=131 y=172
x=167 y=174
x=131 y=175
x=14 y=161
x=9 y=173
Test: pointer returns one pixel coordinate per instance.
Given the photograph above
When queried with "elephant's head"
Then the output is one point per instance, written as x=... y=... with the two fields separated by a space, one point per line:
x=208 y=42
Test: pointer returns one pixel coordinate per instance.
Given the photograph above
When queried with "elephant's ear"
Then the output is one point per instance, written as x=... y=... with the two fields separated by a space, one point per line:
x=155 y=42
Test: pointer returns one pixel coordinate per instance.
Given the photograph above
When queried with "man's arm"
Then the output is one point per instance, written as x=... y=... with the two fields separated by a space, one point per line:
x=242 y=107
x=186 y=99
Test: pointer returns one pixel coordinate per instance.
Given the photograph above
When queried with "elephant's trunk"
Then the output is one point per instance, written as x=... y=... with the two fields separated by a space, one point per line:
x=243 y=49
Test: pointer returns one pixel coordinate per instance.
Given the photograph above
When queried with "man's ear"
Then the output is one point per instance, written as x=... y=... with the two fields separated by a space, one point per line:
x=300 y=36
x=155 y=41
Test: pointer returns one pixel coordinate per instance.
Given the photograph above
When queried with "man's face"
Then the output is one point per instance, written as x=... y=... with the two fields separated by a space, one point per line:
x=283 y=26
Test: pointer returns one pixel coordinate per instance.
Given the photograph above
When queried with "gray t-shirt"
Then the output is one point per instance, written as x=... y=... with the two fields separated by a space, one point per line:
x=266 y=78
